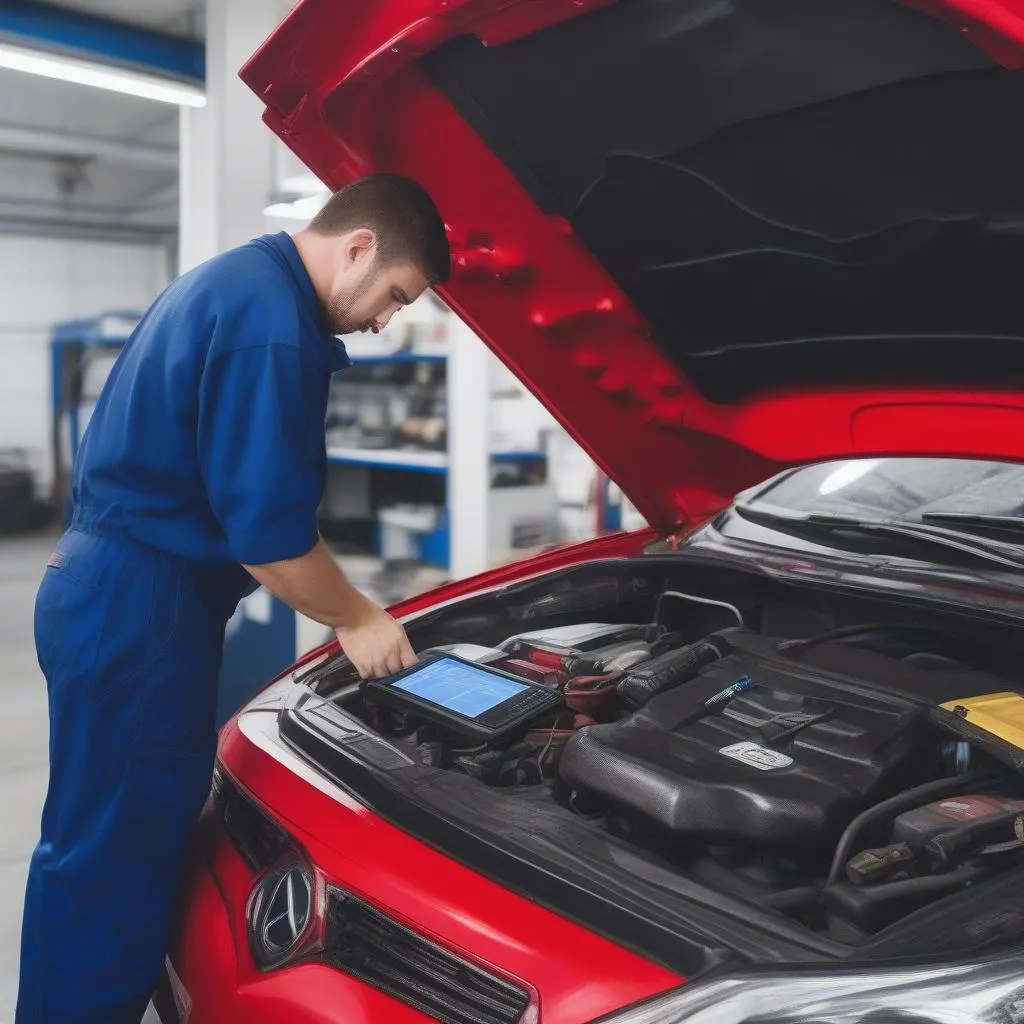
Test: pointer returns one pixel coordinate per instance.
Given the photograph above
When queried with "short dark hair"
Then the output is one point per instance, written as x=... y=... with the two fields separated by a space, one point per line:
x=400 y=213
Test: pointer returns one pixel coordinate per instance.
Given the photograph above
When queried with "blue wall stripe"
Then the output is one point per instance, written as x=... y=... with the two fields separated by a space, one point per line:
x=84 y=35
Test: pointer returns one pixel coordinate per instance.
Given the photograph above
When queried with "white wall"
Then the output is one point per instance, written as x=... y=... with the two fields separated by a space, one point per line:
x=42 y=282
x=227 y=153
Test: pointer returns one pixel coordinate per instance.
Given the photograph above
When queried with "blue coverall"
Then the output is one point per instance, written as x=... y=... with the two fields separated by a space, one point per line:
x=206 y=450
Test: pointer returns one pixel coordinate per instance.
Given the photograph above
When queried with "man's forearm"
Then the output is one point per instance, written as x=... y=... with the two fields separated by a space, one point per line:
x=314 y=586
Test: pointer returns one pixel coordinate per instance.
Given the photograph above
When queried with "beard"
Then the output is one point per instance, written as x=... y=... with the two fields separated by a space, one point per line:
x=340 y=316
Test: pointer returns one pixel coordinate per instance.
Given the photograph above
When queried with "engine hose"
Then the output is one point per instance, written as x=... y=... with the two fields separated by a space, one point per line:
x=645 y=681
x=614 y=658
x=916 y=797
x=585 y=701
x=842 y=633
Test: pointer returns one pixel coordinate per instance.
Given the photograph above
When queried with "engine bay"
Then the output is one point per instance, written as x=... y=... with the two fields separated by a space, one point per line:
x=835 y=777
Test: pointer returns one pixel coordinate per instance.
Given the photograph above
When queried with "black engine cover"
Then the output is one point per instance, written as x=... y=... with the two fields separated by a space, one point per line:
x=788 y=762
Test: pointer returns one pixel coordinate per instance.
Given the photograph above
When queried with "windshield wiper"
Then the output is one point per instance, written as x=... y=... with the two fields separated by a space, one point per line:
x=830 y=529
x=997 y=527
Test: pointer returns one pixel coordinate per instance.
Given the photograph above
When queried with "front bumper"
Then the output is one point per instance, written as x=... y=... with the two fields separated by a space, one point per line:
x=211 y=978
x=574 y=974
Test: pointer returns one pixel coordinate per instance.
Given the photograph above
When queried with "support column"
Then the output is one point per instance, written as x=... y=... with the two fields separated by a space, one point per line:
x=226 y=150
x=469 y=463
x=225 y=177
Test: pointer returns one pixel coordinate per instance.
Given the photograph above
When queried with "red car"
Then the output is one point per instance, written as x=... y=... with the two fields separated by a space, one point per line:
x=762 y=762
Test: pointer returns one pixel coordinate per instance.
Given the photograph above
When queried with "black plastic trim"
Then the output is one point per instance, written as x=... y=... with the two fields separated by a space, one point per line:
x=258 y=840
x=367 y=944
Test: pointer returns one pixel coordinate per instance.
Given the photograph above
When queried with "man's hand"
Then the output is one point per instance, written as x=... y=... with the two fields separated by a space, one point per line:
x=376 y=644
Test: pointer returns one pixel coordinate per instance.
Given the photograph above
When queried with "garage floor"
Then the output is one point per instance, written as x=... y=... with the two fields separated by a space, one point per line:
x=23 y=740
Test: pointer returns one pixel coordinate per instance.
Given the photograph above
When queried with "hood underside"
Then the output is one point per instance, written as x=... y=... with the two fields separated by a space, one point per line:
x=715 y=237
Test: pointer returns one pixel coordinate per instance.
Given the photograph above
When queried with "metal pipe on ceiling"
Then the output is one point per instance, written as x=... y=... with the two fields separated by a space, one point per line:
x=18 y=204
x=86 y=230
x=24 y=139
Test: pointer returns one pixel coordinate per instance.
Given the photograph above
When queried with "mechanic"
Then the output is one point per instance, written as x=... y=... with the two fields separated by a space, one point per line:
x=201 y=472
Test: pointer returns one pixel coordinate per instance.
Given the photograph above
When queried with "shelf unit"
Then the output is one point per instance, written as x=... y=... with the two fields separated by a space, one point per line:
x=494 y=511
x=390 y=458
x=73 y=344
x=400 y=356
x=413 y=459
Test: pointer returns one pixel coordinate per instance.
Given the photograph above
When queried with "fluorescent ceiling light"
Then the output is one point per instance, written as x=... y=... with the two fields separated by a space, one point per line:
x=100 y=76
x=304 y=208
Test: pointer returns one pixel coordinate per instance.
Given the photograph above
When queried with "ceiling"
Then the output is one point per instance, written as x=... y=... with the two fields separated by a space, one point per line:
x=78 y=161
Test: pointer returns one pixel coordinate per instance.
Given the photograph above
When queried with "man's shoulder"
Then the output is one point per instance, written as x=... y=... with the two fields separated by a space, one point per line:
x=246 y=274
x=248 y=293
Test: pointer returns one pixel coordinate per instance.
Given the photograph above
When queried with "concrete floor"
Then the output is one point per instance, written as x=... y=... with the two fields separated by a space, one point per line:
x=23 y=741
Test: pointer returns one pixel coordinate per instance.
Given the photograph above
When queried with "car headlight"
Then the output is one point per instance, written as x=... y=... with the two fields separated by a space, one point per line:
x=988 y=993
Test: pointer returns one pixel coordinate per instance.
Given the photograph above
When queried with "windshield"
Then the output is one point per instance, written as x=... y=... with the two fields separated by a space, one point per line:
x=898 y=490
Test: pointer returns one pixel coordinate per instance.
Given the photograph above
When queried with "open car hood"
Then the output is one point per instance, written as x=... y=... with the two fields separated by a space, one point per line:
x=715 y=237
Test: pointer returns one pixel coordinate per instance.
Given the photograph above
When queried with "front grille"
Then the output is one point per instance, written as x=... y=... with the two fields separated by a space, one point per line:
x=258 y=840
x=363 y=942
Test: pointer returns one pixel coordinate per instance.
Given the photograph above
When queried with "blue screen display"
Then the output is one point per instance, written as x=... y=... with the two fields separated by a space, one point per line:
x=464 y=689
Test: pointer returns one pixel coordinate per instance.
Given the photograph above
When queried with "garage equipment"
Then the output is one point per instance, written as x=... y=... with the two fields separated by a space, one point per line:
x=81 y=355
